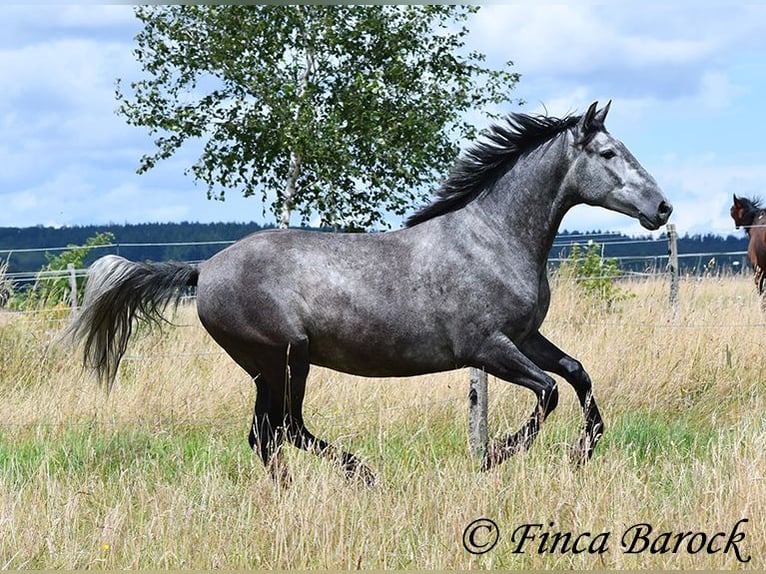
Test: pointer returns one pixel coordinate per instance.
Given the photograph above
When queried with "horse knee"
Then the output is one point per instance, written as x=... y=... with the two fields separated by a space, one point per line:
x=576 y=374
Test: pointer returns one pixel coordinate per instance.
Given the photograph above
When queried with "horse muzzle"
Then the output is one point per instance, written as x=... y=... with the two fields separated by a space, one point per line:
x=659 y=218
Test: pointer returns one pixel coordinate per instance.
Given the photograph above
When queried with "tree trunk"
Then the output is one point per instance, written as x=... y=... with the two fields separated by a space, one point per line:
x=294 y=171
x=290 y=189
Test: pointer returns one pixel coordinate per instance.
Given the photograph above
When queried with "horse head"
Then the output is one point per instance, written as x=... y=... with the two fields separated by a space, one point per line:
x=744 y=210
x=604 y=173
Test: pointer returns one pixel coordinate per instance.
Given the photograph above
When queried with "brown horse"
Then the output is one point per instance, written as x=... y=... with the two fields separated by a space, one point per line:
x=750 y=214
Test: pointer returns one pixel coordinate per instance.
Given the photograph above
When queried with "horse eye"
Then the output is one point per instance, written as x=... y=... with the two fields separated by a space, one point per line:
x=608 y=154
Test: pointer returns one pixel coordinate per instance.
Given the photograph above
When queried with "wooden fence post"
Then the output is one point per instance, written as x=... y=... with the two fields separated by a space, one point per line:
x=673 y=269
x=477 y=413
x=72 y=287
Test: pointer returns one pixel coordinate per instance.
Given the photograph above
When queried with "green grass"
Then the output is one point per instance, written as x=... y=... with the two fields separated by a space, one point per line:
x=106 y=452
x=158 y=474
x=649 y=437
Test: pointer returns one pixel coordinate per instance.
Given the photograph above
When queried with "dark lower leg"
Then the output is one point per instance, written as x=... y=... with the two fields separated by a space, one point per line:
x=352 y=465
x=522 y=439
x=593 y=429
x=266 y=439
x=550 y=358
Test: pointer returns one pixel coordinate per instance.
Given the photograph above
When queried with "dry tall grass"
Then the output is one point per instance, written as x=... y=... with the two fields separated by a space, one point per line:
x=158 y=474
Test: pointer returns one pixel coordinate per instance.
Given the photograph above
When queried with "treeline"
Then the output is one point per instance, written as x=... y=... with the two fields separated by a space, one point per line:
x=698 y=253
x=635 y=253
x=13 y=240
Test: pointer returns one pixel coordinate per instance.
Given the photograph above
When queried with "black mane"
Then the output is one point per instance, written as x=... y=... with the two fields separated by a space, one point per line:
x=483 y=163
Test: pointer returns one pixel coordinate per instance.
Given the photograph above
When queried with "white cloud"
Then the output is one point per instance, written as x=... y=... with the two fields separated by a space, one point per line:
x=63 y=75
x=27 y=23
x=59 y=129
x=630 y=52
x=684 y=104
x=703 y=188
x=575 y=40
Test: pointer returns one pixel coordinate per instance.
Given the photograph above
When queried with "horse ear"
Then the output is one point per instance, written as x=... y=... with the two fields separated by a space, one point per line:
x=600 y=116
x=737 y=202
x=587 y=124
x=587 y=119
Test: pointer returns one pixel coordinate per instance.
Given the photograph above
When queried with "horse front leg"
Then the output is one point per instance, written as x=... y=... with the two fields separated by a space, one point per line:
x=550 y=358
x=502 y=359
x=759 y=279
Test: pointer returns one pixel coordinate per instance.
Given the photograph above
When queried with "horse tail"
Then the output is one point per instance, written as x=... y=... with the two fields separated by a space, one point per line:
x=118 y=291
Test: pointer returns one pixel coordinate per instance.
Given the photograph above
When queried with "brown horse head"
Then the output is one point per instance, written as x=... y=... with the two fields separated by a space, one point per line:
x=743 y=211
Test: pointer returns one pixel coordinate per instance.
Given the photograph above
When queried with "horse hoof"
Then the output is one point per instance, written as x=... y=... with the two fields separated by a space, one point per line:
x=364 y=474
x=577 y=455
x=281 y=476
x=582 y=450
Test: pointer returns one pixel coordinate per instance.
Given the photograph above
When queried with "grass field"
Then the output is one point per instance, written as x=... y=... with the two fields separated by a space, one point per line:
x=158 y=474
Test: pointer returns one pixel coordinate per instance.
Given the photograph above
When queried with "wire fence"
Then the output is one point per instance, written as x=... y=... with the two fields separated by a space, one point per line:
x=559 y=246
x=628 y=266
x=657 y=266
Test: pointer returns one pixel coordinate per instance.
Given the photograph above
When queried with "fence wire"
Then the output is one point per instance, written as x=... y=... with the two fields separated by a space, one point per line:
x=47 y=316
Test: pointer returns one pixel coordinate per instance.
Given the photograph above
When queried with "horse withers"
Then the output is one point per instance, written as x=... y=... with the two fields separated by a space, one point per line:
x=464 y=284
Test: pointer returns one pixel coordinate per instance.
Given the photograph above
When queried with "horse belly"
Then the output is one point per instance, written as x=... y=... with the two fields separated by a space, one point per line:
x=374 y=348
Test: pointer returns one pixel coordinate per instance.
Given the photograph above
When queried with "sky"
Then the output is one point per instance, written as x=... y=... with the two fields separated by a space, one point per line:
x=687 y=82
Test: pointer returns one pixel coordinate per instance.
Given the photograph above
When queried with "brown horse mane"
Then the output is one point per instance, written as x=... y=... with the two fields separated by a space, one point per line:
x=752 y=208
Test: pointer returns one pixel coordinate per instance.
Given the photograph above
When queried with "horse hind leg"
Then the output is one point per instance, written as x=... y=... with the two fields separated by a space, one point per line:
x=298 y=434
x=267 y=435
x=280 y=417
x=352 y=465
x=268 y=428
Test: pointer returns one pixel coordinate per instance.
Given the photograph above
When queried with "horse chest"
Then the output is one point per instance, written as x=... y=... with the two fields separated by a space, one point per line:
x=519 y=307
x=757 y=246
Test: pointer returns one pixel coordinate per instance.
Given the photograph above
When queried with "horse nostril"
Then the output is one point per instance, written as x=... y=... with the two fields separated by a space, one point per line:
x=665 y=209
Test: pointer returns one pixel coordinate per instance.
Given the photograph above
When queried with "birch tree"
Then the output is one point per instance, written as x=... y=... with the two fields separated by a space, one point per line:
x=342 y=114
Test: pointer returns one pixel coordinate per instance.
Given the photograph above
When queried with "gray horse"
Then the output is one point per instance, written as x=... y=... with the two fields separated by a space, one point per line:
x=463 y=285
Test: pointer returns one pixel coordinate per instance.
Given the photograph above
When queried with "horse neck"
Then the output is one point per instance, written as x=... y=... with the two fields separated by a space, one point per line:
x=752 y=219
x=527 y=204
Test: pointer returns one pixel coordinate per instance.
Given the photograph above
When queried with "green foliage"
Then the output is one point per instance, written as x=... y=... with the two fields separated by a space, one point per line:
x=594 y=274
x=52 y=289
x=6 y=287
x=345 y=112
